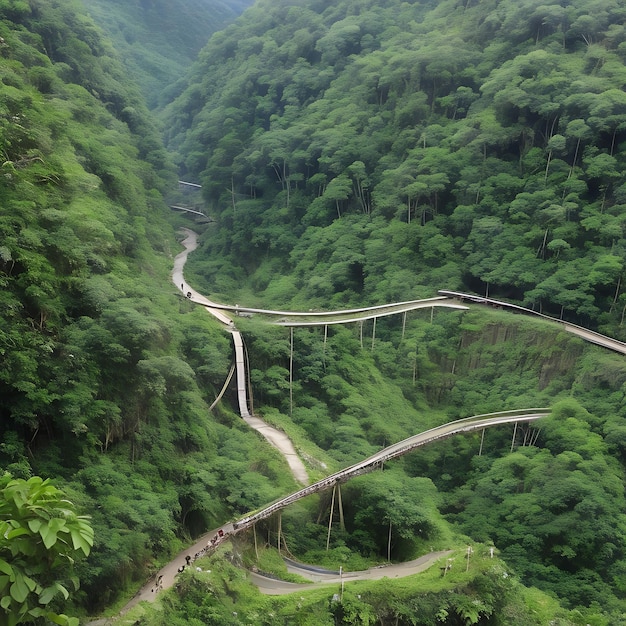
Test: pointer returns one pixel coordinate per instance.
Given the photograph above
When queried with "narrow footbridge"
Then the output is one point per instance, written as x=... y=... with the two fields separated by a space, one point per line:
x=469 y=424
x=186 y=209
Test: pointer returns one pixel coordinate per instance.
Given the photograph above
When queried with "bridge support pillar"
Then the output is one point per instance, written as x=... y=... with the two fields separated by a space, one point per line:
x=373 y=333
x=342 y=523
x=514 y=436
x=482 y=439
x=256 y=547
x=330 y=520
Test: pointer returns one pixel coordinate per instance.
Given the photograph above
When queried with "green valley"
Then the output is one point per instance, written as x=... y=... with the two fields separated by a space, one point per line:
x=350 y=154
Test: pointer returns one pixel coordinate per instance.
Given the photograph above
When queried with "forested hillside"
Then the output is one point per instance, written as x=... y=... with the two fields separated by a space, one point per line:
x=367 y=152
x=350 y=152
x=400 y=147
x=103 y=374
x=157 y=40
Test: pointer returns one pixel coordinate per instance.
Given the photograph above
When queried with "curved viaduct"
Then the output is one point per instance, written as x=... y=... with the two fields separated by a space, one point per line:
x=286 y=318
x=469 y=424
x=446 y=299
x=209 y=541
x=584 y=333
x=168 y=573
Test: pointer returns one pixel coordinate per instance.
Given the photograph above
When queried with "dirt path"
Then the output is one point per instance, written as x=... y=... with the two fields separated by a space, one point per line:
x=275 y=437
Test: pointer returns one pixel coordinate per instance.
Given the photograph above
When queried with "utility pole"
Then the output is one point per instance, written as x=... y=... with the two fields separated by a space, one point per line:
x=291 y=373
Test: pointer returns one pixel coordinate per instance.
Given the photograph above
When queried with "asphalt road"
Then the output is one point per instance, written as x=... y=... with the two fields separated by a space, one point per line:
x=270 y=586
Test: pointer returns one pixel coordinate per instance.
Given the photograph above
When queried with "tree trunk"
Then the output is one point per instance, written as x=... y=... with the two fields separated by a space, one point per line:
x=571 y=169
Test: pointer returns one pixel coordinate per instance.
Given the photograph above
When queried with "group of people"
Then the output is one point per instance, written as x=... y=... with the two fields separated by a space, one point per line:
x=211 y=545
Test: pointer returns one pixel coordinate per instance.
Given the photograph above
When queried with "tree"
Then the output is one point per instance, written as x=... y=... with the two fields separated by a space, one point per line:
x=338 y=189
x=40 y=536
x=394 y=511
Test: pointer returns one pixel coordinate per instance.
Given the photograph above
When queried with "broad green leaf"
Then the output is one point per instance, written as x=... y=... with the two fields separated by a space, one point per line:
x=48 y=536
x=63 y=620
x=34 y=525
x=81 y=542
x=50 y=530
x=19 y=589
x=49 y=592
x=17 y=532
x=6 y=568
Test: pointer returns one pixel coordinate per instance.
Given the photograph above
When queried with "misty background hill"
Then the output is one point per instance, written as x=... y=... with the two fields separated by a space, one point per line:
x=157 y=40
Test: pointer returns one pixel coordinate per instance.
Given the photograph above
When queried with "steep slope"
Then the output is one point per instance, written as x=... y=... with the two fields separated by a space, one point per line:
x=485 y=140
x=104 y=372
x=159 y=39
x=362 y=153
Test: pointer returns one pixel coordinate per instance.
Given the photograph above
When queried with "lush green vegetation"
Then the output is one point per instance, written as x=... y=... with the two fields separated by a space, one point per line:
x=350 y=153
x=366 y=150
x=41 y=535
x=104 y=373
x=484 y=594
x=159 y=39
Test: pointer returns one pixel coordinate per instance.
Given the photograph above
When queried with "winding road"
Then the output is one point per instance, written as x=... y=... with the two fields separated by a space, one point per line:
x=447 y=299
x=273 y=587
x=168 y=573
x=275 y=437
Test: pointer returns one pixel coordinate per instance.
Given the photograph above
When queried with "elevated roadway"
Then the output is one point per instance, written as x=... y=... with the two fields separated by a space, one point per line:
x=478 y=422
x=343 y=316
x=584 y=333
x=210 y=541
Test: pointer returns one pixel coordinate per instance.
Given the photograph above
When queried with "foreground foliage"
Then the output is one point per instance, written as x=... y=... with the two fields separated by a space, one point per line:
x=40 y=536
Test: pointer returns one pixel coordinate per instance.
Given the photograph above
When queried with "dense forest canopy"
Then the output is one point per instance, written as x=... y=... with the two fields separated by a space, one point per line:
x=101 y=387
x=351 y=152
x=365 y=152
x=478 y=144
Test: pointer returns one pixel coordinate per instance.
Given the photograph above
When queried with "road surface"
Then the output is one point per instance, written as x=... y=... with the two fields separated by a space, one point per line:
x=584 y=333
x=273 y=587
x=277 y=438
